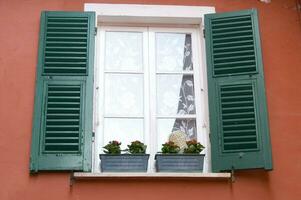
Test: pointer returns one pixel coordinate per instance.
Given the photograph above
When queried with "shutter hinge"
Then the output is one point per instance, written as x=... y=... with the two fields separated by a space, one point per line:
x=72 y=179
x=95 y=30
x=204 y=35
x=93 y=136
x=82 y=138
x=232 y=175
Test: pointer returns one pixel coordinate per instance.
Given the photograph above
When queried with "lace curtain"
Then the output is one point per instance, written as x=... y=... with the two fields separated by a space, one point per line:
x=186 y=104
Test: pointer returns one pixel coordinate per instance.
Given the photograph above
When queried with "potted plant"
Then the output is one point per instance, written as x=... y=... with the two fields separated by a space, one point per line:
x=170 y=160
x=134 y=160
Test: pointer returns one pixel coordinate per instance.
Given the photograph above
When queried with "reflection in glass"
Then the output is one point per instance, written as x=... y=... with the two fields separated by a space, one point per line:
x=123 y=51
x=124 y=94
x=123 y=130
x=167 y=126
x=173 y=52
x=175 y=95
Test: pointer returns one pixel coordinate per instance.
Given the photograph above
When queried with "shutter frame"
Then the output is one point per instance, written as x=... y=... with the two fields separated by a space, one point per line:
x=80 y=161
x=222 y=161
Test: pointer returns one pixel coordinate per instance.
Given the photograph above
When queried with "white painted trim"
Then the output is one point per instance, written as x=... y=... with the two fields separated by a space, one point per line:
x=135 y=13
x=83 y=175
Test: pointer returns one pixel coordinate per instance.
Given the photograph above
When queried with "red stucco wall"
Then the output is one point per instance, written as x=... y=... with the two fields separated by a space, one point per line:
x=281 y=42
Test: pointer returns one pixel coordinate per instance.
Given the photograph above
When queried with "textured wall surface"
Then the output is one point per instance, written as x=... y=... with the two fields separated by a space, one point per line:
x=281 y=43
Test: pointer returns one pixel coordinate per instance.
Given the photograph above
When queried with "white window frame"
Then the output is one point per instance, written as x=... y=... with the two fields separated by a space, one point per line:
x=100 y=92
x=158 y=15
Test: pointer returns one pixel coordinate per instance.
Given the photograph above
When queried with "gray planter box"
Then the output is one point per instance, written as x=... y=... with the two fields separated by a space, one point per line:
x=179 y=162
x=124 y=162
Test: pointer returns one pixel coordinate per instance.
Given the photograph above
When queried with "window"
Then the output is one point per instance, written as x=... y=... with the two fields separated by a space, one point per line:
x=149 y=84
x=232 y=81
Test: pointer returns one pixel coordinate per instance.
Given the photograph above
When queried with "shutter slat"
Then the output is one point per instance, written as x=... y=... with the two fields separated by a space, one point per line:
x=64 y=53
x=61 y=138
x=234 y=64
x=240 y=143
x=240 y=137
x=233 y=47
x=236 y=114
x=62 y=39
x=63 y=121
x=236 y=100
x=242 y=91
x=65 y=34
x=50 y=133
x=66 y=109
x=231 y=19
x=67 y=93
x=54 y=103
x=239 y=133
x=239 y=97
x=61 y=145
x=61 y=127
x=217 y=30
x=238 y=126
x=56 y=108
x=67 y=19
x=57 y=48
x=64 y=58
x=232 y=39
x=225 y=55
x=66 y=24
x=232 y=44
x=52 y=71
x=235 y=103
x=237 y=109
x=65 y=37
x=232 y=33
x=236 y=70
x=62 y=115
x=65 y=63
x=64 y=98
x=224 y=24
x=239 y=120
x=67 y=29
x=54 y=43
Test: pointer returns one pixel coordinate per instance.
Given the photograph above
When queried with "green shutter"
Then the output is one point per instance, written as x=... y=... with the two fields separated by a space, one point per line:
x=239 y=128
x=62 y=123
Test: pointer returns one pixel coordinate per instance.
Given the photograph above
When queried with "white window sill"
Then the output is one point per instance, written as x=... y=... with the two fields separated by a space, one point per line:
x=85 y=175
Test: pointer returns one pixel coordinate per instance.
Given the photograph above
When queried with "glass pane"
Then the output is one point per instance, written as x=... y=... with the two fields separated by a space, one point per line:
x=123 y=51
x=173 y=52
x=124 y=94
x=123 y=130
x=175 y=95
x=167 y=126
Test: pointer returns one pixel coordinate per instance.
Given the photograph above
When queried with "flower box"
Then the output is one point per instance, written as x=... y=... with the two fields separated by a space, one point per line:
x=124 y=162
x=179 y=162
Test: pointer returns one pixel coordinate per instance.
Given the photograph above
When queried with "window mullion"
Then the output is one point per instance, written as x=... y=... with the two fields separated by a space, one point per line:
x=152 y=108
